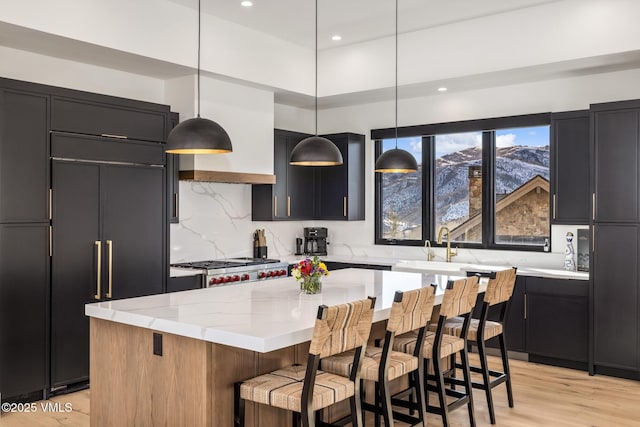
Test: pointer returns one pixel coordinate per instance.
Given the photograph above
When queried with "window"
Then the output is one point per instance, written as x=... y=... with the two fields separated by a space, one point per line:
x=458 y=185
x=522 y=185
x=490 y=188
x=401 y=196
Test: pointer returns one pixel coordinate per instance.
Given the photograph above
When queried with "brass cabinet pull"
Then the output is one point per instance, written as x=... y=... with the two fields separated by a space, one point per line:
x=275 y=205
x=110 y=264
x=593 y=206
x=344 y=206
x=554 y=206
x=99 y=268
x=288 y=205
x=110 y=135
x=175 y=205
x=525 y=306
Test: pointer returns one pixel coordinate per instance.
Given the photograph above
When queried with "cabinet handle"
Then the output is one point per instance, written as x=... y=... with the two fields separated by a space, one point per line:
x=554 y=206
x=175 y=205
x=99 y=268
x=593 y=206
x=275 y=206
x=525 y=306
x=110 y=264
x=110 y=135
x=50 y=204
x=288 y=205
x=344 y=206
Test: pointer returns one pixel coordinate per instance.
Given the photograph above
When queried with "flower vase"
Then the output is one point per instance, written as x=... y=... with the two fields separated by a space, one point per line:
x=311 y=285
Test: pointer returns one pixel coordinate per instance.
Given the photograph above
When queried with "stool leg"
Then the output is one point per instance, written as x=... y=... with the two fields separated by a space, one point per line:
x=486 y=378
x=356 y=409
x=238 y=407
x=442 y=394
x=418 y=386
x=467 y=385
x=378 y=405
x=505 y=367
x=385 y=399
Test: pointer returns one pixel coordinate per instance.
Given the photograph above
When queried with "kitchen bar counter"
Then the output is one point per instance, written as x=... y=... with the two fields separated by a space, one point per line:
x=173 y=359
x=260 y=316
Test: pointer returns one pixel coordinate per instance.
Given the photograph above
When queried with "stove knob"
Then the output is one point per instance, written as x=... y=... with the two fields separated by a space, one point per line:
x=229 y=279
x=262 y=275
x=222 y=280
x=245 y=277
x=283 y=272
x=271 y=273
x=213 y=281
x=276 y=273
x=236 y=278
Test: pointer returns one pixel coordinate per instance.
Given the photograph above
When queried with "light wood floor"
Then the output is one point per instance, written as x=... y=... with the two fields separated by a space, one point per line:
x=544 y=396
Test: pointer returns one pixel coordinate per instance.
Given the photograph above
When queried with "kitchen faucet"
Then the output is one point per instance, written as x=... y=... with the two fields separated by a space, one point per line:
x=450 y=252
x=430 y=254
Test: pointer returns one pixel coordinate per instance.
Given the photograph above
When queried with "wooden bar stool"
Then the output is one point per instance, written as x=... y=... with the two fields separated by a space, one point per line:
x=305 y=389
x=499 y=291
x=410 y=311
x=458 y=300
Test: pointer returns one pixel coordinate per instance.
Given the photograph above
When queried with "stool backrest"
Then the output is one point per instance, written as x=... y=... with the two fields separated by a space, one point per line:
x=411 y=310
x=459 y=297
x=500 y=287
x=343 y=327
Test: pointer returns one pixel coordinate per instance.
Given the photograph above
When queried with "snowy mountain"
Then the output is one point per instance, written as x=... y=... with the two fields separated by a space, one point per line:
x=403 y=192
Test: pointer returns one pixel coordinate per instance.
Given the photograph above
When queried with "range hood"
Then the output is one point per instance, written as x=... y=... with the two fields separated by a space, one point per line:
x=226 y=177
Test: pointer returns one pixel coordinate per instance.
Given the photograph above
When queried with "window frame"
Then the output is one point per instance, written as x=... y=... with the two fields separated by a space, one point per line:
x=488 y=128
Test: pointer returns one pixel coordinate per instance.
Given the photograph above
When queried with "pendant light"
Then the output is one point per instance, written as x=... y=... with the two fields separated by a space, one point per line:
x=198 y=135
x=396 y=160
x=316 y=150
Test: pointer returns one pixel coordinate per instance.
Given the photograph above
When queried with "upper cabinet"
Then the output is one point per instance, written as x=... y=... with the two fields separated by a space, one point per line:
x=571 y=197
x=24 y=154
x=128 y=119
x=616 y=150
x=307 y=192
x=341 y=188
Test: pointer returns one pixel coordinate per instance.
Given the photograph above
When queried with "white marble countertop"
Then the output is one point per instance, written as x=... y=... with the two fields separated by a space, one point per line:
x=261 y=316
x=460 y=268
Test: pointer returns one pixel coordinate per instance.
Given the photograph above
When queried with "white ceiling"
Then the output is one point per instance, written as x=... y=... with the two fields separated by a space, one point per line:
x=354 y=20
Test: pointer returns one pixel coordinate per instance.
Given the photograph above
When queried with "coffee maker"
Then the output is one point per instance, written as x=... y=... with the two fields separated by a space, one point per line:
x=315 y=241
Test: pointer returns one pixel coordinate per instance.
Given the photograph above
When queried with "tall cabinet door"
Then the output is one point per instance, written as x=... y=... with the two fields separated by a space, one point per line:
x=300 y=186
x=24 y=268
x=617 y=161
x=616 y=296
x=74 y=268
x=133 y=230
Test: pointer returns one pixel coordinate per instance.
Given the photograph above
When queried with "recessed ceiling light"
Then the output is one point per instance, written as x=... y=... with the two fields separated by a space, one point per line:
x=247 y=3
x=442 y=89
x=336 y=38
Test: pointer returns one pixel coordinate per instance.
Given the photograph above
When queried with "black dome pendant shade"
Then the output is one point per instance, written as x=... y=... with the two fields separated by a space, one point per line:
x=396 y=160
x=316 y=150
x=198 y=135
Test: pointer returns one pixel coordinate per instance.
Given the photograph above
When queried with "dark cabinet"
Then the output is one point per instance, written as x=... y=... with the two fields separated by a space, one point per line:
x=24 y=156
x=340 y=188
x=616 y=293
x=307 y=192
x=570 y=148
x=335 y=265
x=124 y=119
x=185 y=283
x=173 y=178
x=109 y=241
x=292 y=196
x=616 y=152
x=557 y=320
x=24 y=290
x=516 y=320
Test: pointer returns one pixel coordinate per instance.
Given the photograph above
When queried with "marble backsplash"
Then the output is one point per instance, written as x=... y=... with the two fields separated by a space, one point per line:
x=215 y=223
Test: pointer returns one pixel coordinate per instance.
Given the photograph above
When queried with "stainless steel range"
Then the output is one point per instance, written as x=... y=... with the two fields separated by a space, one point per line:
x=237 y=270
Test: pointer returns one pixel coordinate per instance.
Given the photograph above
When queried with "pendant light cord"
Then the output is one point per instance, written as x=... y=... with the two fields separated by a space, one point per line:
x=316 y=66
x=199 y=18
x=396 y=80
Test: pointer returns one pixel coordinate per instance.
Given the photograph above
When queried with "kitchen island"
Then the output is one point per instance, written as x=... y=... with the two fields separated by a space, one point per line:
x=172 y=359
